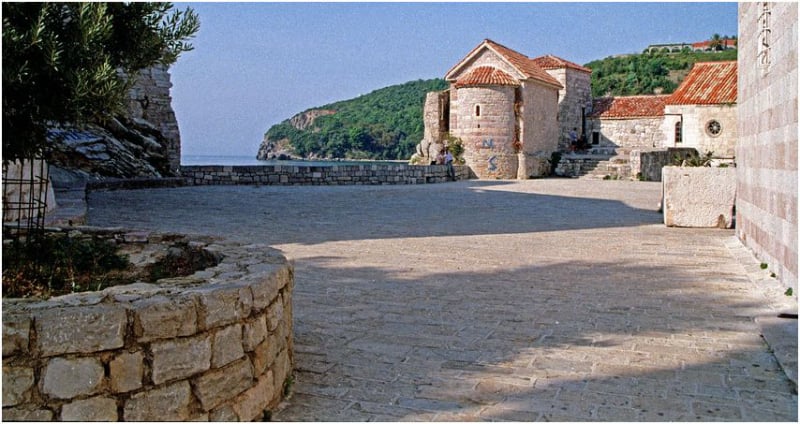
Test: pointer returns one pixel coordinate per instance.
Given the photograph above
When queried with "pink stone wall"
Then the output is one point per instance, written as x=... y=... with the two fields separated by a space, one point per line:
x=766 y=152
x=489 y=137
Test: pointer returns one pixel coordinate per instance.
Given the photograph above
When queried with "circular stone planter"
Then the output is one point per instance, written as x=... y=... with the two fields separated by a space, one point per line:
x=215 y=345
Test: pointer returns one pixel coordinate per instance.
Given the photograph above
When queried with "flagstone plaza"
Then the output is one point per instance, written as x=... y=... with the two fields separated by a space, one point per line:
x=555 y=299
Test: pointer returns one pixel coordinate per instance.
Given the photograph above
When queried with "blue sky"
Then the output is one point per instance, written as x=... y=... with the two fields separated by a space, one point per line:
x=256 y=64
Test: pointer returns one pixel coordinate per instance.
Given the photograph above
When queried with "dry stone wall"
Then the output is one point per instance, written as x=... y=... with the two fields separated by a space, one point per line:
x=216 y=345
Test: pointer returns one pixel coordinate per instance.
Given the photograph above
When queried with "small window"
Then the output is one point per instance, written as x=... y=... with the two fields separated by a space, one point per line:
x=596 y=137
x=713 y=128
x=477 y=110
x=678 y=132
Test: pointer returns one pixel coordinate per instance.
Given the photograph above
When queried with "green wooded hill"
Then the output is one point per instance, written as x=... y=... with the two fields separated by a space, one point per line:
x=387 y=123
x=384 y=124
x=644 y=73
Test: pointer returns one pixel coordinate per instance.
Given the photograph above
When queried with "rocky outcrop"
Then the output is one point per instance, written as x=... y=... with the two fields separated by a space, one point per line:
x=304 y=120
x=282 y=149
x=272 y=149
x=144 y=143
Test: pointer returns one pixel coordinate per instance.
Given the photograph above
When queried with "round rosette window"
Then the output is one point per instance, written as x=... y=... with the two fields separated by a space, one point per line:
x=713 y=128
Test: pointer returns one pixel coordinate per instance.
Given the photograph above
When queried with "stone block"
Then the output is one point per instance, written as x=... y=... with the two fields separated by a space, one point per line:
x=83 y=329
x=275 y=314
x=16 y=383
x=20 y=414
x=168 y=403
x=161 y=318
x=68 y=378
x=126 y=371
x=16 y=334
x=92 y=409
x=251 y=404
x=217 y=386
x=223 y=305
x=281 y=368
x=698 y=196
x=224 y=413
x=227 y=346
x=181 y=358
x=254 y=333
x=264 y=355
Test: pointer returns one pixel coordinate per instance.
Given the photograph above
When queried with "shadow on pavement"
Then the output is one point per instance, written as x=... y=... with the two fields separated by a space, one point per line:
x=541 y=343
x=316 y=214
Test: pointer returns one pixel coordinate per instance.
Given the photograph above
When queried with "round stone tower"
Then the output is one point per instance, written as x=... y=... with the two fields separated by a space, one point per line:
x=484 y=102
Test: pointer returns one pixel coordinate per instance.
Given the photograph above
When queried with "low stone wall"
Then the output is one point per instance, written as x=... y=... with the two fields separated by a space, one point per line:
x=216 y=345
x=646 y=165
x=375 y=174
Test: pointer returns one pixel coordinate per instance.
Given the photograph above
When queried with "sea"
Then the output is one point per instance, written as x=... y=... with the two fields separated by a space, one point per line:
x=230 y=160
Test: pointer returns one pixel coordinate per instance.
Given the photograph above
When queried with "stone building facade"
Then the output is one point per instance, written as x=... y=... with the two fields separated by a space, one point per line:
x=627 y=123
x=574 y=98
x=766 y=153
x=504 y=108
x=701 y=113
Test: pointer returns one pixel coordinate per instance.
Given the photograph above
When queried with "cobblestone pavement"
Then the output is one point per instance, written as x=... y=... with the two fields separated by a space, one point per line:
x=480 y=300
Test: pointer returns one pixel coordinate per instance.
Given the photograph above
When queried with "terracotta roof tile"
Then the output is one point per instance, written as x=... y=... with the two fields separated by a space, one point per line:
x=628 y=107
x=708 y=83
x=486 y=75
x=520 y=62
x=554 y=62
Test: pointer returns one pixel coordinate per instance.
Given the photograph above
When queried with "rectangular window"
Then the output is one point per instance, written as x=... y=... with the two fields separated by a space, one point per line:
x=595 y=137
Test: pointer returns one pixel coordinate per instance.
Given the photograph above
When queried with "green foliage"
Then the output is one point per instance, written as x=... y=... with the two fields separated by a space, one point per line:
x=764 y=265
x=644 y=73
x=58 y=265
x=693 y=159
x=384 y=124
x=788 y=292
x=456 y=147
x=61 y=62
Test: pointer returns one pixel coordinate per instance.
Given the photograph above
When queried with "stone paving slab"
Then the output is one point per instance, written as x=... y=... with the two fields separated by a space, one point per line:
x=539 y=300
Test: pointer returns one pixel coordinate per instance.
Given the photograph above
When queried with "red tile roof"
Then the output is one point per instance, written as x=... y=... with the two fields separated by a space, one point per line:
x=729 y=43
x=628 y=107
x=708 y=83
x=554 y=62
x=523 y=64
x=486 y=75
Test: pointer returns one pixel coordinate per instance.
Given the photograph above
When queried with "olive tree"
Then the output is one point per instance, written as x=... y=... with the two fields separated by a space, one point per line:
x=73 y=63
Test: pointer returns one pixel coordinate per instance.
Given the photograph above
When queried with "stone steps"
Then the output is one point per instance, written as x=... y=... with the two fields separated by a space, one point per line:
x=594 y=166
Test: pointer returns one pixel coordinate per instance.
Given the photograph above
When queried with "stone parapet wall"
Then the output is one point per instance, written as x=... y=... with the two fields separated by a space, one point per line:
x=216 y=345
x=372 y=174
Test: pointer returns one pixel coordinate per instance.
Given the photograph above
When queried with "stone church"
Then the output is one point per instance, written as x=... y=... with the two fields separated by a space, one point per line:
x=513 y=112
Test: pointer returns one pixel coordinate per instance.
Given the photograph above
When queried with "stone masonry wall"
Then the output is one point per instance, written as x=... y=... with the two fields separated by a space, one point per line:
x=321 y=175
x=576 y=95
x=766 y=152
x=695 y=118
x=216 y=345
x=640 y=133
x=150 y=100
x=488 y=139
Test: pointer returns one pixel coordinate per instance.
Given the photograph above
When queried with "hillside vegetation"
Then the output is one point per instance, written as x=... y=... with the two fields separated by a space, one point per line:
x=384 y=124
x=648 y=72
x=387 y=123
